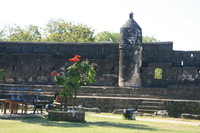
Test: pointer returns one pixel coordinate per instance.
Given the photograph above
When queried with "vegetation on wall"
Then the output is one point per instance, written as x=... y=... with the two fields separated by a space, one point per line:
x=2 y=73
x=59 y=30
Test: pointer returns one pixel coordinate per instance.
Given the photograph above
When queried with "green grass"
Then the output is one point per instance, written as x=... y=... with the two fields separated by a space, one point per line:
x=92 y=125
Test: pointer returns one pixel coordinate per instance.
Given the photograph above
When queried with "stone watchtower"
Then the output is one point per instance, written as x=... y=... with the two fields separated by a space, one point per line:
x=130 y=50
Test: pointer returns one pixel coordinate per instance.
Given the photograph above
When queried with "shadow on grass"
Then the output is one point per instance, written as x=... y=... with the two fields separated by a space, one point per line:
x=45 y=122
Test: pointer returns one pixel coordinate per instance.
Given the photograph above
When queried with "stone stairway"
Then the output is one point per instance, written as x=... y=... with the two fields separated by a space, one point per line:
x=111 y=98
x=149 y=106
x=104 y=91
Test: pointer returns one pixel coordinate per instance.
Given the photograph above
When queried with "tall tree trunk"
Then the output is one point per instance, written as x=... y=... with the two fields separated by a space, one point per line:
x=65 y=105
x=74 y=102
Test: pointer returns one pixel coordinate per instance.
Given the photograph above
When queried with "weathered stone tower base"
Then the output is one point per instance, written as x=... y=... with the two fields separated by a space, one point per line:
x=130 y=54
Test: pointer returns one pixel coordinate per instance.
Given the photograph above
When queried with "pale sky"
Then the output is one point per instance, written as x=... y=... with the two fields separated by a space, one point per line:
x=166 y=20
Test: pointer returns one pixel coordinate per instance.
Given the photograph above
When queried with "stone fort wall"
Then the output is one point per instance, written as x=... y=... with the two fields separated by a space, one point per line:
x=32 y=62
x=178 y=67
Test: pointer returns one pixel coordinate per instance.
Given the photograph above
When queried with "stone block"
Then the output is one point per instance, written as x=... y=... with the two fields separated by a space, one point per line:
x=66 y=116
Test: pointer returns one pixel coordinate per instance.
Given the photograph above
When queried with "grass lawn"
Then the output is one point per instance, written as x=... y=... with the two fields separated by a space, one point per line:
x=93 y=124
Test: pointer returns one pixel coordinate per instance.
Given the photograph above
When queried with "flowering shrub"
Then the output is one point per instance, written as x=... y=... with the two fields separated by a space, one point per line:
x=78 y=74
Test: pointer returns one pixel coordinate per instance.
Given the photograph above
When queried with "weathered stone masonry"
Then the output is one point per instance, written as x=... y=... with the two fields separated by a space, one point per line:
x=31 y=63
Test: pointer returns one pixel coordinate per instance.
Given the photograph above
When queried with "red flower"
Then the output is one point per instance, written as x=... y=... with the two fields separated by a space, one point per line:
x=58 y=74
x=53 y=73
x=75 y=58
x=78 y=56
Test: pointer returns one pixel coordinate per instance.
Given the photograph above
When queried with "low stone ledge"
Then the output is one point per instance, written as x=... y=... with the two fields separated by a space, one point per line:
x=190 y=116
x=66 y=116
x=118 y=111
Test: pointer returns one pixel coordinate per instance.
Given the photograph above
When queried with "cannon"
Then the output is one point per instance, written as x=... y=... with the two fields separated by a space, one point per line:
x=129 y=113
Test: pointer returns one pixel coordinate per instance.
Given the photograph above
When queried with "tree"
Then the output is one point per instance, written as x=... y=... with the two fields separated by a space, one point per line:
x=1 y=35
x=107 y=36
x=61 y=30
x=2 y=32
x=80 y=73
x=30 y=33
x=149 y=39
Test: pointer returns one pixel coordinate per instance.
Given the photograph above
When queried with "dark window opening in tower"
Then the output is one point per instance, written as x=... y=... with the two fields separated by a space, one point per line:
x=53 y=68
x=158 y=73
x=112 y=67
x=57 y=49
x=40 y=68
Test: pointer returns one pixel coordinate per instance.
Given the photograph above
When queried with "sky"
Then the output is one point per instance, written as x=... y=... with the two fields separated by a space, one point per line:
x=167 y=20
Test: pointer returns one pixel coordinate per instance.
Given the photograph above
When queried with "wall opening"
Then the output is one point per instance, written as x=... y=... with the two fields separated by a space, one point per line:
x=158 y=73
x=102 y=50
x=57 y=49
x=191 y=55
x=141 y=71
x=158 y=49
x=198 y=70
x=182 y=63
x=40 y=68
x=112 y=67
x=14 y=68
x=53 y=68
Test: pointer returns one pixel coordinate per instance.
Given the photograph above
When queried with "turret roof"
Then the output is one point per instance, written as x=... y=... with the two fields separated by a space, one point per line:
x=131 y=22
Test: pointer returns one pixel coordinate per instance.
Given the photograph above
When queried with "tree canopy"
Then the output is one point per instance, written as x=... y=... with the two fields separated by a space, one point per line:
x=2 y=32
x=149 y=39
x=60 y=30
x=31 y=33
x=107 y=36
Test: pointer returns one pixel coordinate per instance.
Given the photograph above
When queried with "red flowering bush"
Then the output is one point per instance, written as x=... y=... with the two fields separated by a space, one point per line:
x=78 y=74
x=76 y=58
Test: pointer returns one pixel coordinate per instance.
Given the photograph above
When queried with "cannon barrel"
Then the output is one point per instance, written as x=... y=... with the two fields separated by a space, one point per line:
x=127 y=111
